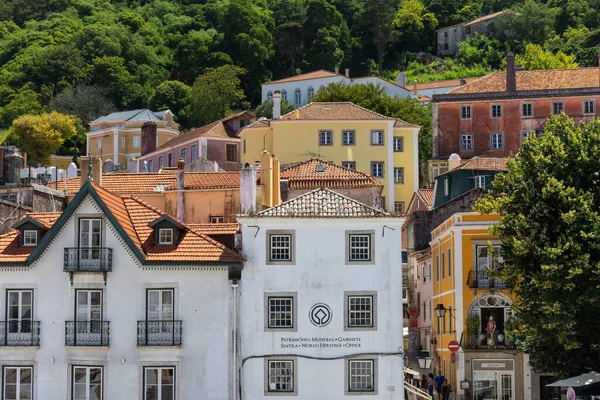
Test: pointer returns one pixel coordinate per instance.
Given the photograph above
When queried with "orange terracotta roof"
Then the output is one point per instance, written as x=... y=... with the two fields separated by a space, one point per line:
x=427 y=196
x=215 y=229
x=485 y=164
x=337 y=111
x=45 y=218
x=261 y=123
x=211 y=180
x=10 y=251
x=484 y=18
x=304 y=175
x=442 y=84
x=576 y=78
x=302 y=77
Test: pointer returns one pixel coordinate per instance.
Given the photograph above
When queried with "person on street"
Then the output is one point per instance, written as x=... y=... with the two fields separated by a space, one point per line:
x=430 y=385
x=446 y=390
x=439 y=382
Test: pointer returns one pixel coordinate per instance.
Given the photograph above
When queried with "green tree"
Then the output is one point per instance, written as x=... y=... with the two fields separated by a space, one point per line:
x=537 y=58
x=415 y=26
x=480 y=50
x=550 y=244
x=289 y=17
x=324 y=33
x=379 y=15
x=216 y=94
x=530 y=22
x=374 y=98
x=40 y=136
x=24 y=102
x=85 y=102
x=265 y=109
x=175 y=96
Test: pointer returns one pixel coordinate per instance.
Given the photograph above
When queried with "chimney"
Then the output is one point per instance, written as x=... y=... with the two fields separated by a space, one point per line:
x=94 y=173
x=266 y=178
x=248 y=190
x=401 y=79
x=148 y=138
x=180 y=190
x=337 y=70
x=276 y=182
x=276 y=105
x=453 y=161
x=347 y=73
x=463 y=82
x=511 y=73
x=415 y=88
x=297 y=113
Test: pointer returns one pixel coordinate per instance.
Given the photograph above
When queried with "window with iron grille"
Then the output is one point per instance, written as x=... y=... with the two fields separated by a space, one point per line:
x=281 y=312
x=496 y=110
x=466 y=112
x=466 y=142
x=348 y=138
x=398 y=144
x=589 y=107
x=360 y=311
x=281 y=247
x=557 y=107
x=231 y=153
x=280 y=376
x=361 y=375
x=325 y=138
x=360 y=247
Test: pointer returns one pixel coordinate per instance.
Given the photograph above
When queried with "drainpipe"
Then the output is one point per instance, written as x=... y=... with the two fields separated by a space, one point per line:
x=234 y=287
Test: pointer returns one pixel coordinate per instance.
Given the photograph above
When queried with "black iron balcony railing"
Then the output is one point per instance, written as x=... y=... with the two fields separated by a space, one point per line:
x=478 y=279
x=19 y=333
x=159 y=333
x=87 y=333
x=497 y=340
x=88 y=259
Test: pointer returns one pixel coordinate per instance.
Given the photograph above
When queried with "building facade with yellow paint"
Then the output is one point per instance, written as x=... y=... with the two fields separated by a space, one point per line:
x=343 y=133
x=476 y=312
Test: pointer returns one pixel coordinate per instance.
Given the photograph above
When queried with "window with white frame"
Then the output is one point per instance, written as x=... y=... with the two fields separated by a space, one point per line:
x=496 y=110
x=165 y=236
x=398 y=175
x=349 y=164
x=376 y=138
x=159 y=383
x=136 y=142
x=280 y=247
x=497 y=141
x=298 y=97
x=310 y=93
x=480 y=181
x=17 y=383
x=466 y=142
x=361 y=375
x=280 y=312
x=270 y=95
x=446 y=187
x=100 y=144
x=30 y=237
x=377 y=169
x=527 y=110
x=280 y=376
x=360 y=311
x=466 y=112
x=348 y=138
x=325 y=138
x=217 y=220
x=360 y=247
x=123 y=140
x=557 y=107
x=19 y=311
x=399 y=207
x=398 y=144
x=87 y=383
x=589 y=107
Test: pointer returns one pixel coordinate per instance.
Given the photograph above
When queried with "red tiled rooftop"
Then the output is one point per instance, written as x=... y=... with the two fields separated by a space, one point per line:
x=304 y=175
x=427 y=196
x=302 y=77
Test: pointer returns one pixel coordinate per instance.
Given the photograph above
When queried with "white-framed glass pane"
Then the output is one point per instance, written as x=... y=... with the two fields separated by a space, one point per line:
x=281 y=376
x=361 y=375
x=87 y=383
x=281 y=249
x=376 y=137
x=398 y=175
x=136 y=141
x=281 y=311
x=348 y=138
x=398 y=144
x=360 y=247
x=325 y=137
x=17 y=383
x=360 y=311
x=159 y=383
x=466 y=142
x=377 y=169
x=165 y=236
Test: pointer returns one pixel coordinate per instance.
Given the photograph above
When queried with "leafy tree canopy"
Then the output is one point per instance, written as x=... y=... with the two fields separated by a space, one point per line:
x=537 y=58
x=265 y=109
x=550 y=242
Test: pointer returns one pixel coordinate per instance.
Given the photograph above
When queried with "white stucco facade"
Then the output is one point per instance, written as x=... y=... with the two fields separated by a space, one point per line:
x=202 y=301
x=321 y=277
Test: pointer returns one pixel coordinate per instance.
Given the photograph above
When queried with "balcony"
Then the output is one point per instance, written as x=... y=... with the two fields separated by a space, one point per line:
x=478 y=280
x=87 y=333
x=159 y=333
x=88 y=259
x=19 y=333
x=482 y=341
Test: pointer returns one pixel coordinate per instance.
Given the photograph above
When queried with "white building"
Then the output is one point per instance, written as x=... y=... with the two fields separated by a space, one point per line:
x=321 y=300
x=298 y=90
x=114 y=300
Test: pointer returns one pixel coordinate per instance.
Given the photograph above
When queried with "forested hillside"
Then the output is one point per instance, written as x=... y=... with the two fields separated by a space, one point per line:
x=88 y=57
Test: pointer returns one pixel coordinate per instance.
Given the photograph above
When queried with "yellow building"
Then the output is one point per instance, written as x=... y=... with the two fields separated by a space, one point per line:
x=343 y=133
x=474 y=310
x=118 y=136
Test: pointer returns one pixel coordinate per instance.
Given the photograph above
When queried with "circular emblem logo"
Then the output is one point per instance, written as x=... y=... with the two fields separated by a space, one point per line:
x=320 y=314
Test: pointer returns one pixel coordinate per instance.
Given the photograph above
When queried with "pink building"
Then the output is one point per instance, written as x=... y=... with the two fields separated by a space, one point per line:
x=216 y=142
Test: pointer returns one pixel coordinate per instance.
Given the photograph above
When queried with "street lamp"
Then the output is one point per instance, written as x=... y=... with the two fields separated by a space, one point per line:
x=440 y=311
x=425 y=363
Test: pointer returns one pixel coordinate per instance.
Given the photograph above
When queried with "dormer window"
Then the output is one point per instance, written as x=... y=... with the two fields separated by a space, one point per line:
x=30 y=237
x=165 y=236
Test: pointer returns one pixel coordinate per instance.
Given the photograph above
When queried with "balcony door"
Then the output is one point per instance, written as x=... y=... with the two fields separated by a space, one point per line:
x=88 y=313
x=485 y=262
x=89 y=241
x=160 y=315
x=19 y=312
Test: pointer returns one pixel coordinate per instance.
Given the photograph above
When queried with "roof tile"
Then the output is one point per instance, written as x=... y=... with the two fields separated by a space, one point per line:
x=304 y=175
x=309 y=75
x=427 y=196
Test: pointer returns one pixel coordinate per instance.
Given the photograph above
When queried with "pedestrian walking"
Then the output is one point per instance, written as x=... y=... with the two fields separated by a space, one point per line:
x=430 y=385
x=446 y=390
